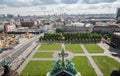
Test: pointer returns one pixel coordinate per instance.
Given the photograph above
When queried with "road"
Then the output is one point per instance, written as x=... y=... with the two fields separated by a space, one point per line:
x=20 y=48
x=17 y=51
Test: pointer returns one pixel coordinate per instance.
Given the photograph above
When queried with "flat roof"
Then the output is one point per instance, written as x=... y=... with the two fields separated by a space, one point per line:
x=117 y=33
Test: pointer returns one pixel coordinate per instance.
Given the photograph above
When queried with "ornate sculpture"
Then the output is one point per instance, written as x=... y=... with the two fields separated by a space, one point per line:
x=62 y=67
x=63 y=54
x=70 y=67
x=5 y=65
x=56 y=67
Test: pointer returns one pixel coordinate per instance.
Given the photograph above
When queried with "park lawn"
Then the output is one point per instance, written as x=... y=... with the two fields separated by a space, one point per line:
x=50 y=47
x=83 y=66
x=106 y=64
x=93 y=48
x=43 y=55
x=37 y=68
x=75 y=48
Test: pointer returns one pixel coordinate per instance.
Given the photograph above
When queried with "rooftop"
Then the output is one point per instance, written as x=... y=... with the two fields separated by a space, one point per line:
x=117 y=33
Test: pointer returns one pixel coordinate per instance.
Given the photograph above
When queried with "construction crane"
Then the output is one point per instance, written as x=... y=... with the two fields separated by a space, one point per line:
x=12 y=41
x=3 y=44
x=3 y=34
x=27 y=35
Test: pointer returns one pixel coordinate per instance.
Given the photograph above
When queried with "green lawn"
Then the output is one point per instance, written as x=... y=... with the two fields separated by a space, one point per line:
x=50 y=47
x=83 y=66
x=75 y=48
x=106 y=64
x=43 y=55
x=37 y=68
x=93 y=48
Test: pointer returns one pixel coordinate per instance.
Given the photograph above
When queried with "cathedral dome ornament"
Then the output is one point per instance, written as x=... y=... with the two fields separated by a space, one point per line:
x=63 y=67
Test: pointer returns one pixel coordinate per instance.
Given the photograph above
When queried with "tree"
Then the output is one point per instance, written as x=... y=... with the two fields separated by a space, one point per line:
x=105 y=37
x=59 y=30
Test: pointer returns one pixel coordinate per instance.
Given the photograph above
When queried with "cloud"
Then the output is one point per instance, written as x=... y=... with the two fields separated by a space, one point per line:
x=38 y=7
x=97 y=1
x=49 y=1
x=22 y=3
x=69 y=1
x=15 y=3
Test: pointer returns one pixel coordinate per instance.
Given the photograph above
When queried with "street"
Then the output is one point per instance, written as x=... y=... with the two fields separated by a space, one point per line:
x=18 y=50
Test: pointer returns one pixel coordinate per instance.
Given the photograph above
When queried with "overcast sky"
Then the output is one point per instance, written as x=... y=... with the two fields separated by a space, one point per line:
x=38 y=7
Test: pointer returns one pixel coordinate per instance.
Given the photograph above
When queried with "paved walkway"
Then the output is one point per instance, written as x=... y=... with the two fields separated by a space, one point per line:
x=42 y=59
x=55 y=55
x=71 y=55
x=94 y=65
x=109 y=52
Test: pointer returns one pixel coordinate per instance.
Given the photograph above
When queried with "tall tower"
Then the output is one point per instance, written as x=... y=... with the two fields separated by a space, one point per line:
x=118 y=14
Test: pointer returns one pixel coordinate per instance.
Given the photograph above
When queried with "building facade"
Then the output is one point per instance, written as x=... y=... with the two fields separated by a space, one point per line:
x=116 y=39
x=77 y=27
x=107 y=28
x=118 y=14
x=10 y=27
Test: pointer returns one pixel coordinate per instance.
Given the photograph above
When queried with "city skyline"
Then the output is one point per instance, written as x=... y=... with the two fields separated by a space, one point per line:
x=44 y=7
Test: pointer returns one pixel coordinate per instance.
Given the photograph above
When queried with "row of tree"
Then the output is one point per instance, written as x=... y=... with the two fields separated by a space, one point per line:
x=82 y=36
x=71 y=37
x=51 y=37
x=105 y=34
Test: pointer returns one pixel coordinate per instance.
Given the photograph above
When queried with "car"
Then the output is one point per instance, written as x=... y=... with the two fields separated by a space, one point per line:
x=115 y=54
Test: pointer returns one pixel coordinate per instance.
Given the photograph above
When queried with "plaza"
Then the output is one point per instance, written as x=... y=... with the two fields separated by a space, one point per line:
x=87 y=62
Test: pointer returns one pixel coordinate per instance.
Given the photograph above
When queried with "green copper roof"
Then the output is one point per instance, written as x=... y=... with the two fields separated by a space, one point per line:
x=63 y=66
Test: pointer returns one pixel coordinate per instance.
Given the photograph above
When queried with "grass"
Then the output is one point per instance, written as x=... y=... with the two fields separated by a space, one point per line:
x=75 y=48
x=50 y=47
x=40 y=68
x=83 y=66
x=93 y=48
x=37 y=68
x=43 y=55
x=106 y=64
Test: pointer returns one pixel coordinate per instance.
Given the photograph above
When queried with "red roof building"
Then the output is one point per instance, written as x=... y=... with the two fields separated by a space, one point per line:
x=107 y=28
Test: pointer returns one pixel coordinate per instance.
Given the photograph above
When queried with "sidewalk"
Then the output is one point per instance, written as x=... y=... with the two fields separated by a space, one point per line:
x=109 y=52
x=94 y=65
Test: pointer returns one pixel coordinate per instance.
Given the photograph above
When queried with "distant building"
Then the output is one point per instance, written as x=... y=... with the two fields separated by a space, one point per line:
x=2 y=15
x=76 y=27
x=23 y=29
x=10 y=27
x=10 y=15
x=116 y=39
x=29 y=24
x=1 y=27
x=45 y=28
x=118 y=14
x=107 y=28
